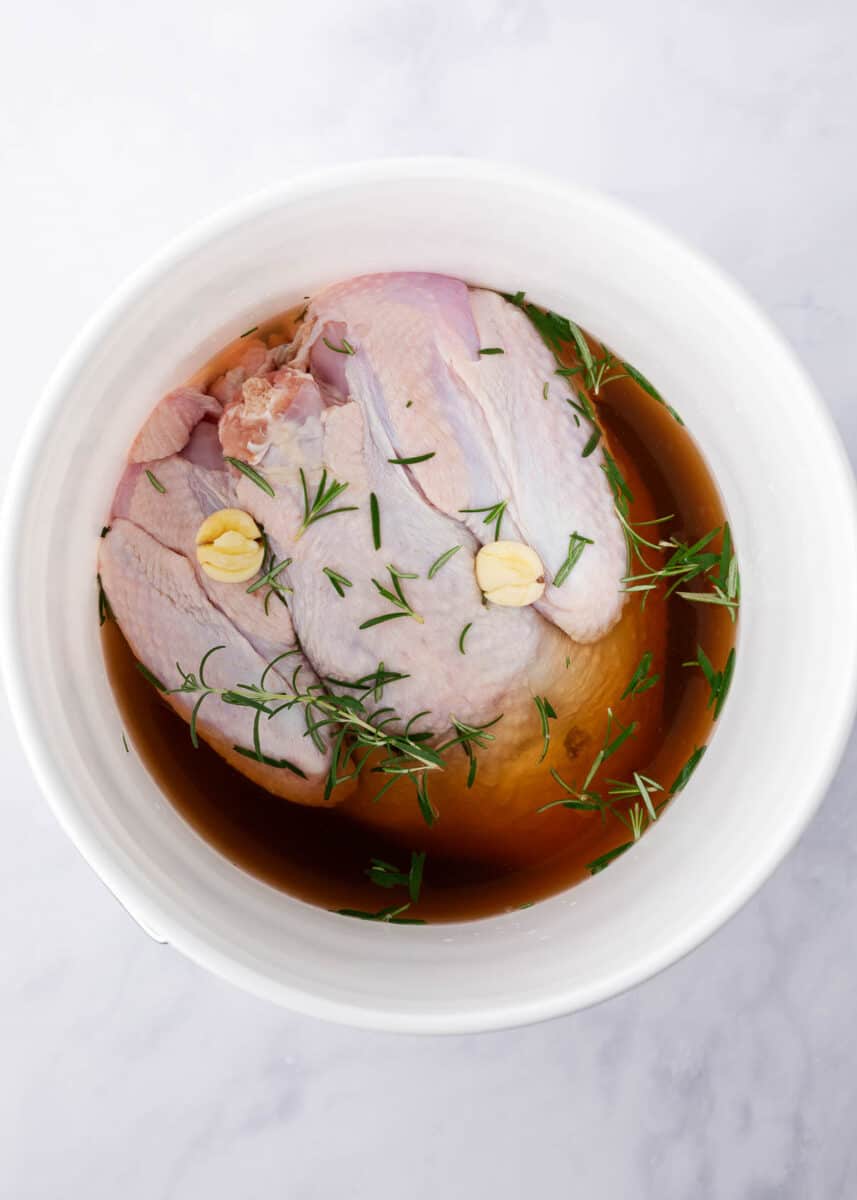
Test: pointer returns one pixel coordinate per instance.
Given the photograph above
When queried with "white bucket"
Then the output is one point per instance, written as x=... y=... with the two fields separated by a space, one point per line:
x=765 y=433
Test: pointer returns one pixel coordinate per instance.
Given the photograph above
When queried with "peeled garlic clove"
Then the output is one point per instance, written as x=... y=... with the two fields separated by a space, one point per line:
x=510 y=574
x=229 y=546
x=227 y=520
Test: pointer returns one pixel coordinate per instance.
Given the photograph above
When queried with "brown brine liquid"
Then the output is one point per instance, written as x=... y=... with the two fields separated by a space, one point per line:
x=473 y=868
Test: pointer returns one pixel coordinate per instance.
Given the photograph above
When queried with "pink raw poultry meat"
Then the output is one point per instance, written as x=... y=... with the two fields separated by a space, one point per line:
x=494 y=434
x=169 y=425
x=384 y=368
x=505 y=648
x=163 y=612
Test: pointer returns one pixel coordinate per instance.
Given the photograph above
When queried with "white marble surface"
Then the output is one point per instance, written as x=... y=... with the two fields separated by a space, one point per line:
x=126 y=1072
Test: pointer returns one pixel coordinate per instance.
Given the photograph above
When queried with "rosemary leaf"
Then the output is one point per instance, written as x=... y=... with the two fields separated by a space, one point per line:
x=252 y=474
x=441 y=561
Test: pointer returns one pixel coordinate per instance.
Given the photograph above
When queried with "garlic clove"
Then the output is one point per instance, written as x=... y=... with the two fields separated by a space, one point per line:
x=510 y=574
x=224 y=521
x=229 y=546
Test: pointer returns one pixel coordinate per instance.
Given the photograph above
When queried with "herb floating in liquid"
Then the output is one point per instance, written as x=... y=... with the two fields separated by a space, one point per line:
x=687 y=770
x=557 y=332
x=642 y=786
x=647 y=387
x=385 y=875
x=252 y=474
x=718 y=681
x=339 y=582
x=596 y=376
x=584 y=798
x=604 y=860
x=155 y=482
x=577 y=543
x=686 y=563
x=391 y=915
x=319 y=507
x=641 y=680
x=494 y=515
x=546 y=713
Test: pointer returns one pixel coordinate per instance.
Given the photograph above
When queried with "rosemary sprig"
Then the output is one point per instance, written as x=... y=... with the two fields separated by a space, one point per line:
x=577 y=799
x=596 y=375
x=641 y=680
x=718 y=681
x=375 y=515
x=441 y=561
x=269 y=579
x=372 y=684
x=252 y=474
x=344 y=348
x=640 y=379
x=604 y=860
x=427 y=809
x=687 y=563
x=339 y=582
x=494 y=515
x=546 y=713
x=105 y=612
x=385 y=875
x=396 y=598
x=611 y=745
x=150 y=677
x=641 y=786
x=155 y=482
x=354 y=725
x=687 y=770
x=415 y=458
x=319 y=506
x=577 y=543
x=257 y=756
x=470 y=738
x=557 y=332
x=391 y=915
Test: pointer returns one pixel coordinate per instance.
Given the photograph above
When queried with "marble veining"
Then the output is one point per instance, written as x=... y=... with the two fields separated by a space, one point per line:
x=128 y=1072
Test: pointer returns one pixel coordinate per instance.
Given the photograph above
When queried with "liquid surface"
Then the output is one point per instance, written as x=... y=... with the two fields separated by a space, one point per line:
x=476 y=865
